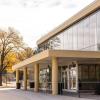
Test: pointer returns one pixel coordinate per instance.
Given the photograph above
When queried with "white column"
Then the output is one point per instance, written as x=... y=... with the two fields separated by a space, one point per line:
x=36 y=77
x=17 y=76
x=25 y=78
x=54 y=76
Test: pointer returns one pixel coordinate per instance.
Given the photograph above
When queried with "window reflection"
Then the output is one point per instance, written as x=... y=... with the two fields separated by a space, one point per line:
x=89 y=72
x=98 y=29
x=75 y=38
x=80 y=36
x=92 y=32
x=45 y=78
x=72 y=77
x=83 y=35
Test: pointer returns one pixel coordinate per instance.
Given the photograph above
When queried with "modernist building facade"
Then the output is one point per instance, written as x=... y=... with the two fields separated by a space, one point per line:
x=67 y=57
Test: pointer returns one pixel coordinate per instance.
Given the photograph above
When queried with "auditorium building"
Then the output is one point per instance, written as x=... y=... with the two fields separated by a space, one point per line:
x=67 y=59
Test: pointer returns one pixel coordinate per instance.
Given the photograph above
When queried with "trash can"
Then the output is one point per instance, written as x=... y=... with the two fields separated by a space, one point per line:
x=31 y=84
x=18 y=85
x=60 y=87
x=97 y=90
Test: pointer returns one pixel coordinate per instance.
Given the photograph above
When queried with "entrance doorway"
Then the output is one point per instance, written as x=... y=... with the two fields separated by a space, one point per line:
x=69 y=77
x=65 y=79
x=72 y=78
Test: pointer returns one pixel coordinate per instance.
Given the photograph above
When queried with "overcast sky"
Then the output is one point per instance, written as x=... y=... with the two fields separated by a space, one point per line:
x=35 y=18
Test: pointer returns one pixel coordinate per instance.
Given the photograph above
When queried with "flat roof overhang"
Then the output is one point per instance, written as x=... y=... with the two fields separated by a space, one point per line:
x=69 y=54
x=74 y=19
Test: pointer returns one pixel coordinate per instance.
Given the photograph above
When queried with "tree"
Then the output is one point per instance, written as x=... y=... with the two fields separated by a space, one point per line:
x=10 y=60
x=27 y=52
x=9 y=41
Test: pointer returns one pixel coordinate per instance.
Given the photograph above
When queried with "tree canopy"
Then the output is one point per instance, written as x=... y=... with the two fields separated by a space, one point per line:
x=10 y=40
x=12 y=49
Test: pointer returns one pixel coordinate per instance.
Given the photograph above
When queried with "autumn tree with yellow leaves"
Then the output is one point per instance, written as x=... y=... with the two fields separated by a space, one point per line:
x=10 y=41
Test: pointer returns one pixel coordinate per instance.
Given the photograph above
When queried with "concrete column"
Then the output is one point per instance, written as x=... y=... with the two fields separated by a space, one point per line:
x=25 y=78
x=36 y=77
x=54 y=76
x=17 y=76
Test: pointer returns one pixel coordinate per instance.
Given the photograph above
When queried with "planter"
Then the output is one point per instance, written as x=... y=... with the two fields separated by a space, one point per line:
x=18 y=85
x=60 y=87
x=31 y=84
x=97 y=90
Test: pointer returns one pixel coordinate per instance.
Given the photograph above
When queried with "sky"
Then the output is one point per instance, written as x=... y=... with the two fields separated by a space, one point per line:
x=35 y=18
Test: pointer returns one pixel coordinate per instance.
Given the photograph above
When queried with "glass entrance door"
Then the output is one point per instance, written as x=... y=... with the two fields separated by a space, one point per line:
x=69 y=77
x=72 y=78
x=64 y=79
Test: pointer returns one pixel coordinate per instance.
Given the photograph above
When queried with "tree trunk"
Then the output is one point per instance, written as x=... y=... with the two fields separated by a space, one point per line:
x=0 y=79
x=1 y=67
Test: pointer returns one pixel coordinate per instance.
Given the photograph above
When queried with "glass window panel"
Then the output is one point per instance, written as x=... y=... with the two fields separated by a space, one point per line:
x=64 y=77
x=98 y=72
x=72 y=77
x=70 y=39
x=65 y=40
x=80 y=36
x=75 y=37
x=86 y=34
x=92 y=32
x=51 y=44
x=84 y=72
x=98 y=29
x=57 y=42
x=92 y=74
x=79 y=72
x=45 y=78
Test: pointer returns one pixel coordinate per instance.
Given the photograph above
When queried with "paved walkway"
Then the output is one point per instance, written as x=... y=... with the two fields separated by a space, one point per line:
x=13 y=94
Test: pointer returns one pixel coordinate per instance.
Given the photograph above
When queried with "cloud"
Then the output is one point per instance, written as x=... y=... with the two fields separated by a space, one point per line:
x=44 y=3
x=37 y=17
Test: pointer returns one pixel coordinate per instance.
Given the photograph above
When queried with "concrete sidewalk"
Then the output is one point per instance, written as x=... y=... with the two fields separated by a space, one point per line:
x=13 y=94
